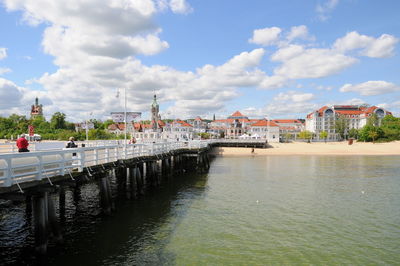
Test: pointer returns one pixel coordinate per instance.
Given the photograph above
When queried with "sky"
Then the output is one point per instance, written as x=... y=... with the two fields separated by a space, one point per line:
x=265 y=58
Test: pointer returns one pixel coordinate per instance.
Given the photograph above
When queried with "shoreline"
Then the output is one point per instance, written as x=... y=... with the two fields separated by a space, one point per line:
x=316 y=148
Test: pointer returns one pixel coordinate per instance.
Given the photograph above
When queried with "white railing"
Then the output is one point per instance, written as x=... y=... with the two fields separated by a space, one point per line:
x=16 y=168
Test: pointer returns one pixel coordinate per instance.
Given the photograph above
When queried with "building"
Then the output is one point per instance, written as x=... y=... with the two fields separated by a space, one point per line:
x=238 y=125
x=155 y=116
x=199 y=125
x=289 y=126
x=36 y=109
x=178 y=130
x=265 y=129
x=324 y=119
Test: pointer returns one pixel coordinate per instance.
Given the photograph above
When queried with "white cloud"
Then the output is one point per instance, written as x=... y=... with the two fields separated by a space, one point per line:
x=10 y=95
x=324 y=10
x=180 y=6
x=299 y=32
x=312 y=63
x=273 y=82
x=4 y=70
x=294 y=96
x=3 y=53
x=369 y=46
x=266 y=36
x=370 y=88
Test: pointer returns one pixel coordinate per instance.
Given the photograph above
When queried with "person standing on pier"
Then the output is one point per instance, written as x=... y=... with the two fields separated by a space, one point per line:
x=71 y=143
x=22 y=144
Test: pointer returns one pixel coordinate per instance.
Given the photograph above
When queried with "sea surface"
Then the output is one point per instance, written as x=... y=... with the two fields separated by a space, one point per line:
x=267 y=210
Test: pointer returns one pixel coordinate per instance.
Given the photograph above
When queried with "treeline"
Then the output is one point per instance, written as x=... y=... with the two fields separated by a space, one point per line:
x=55 y=129
x=387 y=130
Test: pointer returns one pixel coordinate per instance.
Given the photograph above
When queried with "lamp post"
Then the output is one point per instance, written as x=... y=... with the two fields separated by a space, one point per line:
x=125 y=121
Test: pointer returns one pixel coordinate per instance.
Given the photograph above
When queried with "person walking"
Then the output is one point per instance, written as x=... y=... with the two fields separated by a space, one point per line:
x=22 y=144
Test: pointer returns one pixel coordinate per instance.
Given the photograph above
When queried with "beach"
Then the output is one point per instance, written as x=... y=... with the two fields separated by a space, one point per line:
x=317 y=148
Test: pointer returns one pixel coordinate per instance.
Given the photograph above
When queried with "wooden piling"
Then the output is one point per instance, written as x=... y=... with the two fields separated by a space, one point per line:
x=39 y=212
x=53 y=221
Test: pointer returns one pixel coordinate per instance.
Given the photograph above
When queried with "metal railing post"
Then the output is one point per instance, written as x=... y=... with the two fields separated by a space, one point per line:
x=8 y=173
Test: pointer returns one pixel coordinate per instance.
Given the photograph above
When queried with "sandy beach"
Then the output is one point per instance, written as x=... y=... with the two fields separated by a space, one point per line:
x=329 y=148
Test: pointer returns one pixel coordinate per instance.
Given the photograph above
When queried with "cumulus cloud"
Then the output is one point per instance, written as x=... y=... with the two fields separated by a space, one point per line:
x=180 y=6
x=370 y=88
x=299 y=32
x=311 y=63
x=266 y=36
x=3 y=53
x=368 y=46
x=324 y=9
x=10 y=95
x=285 y=105
x=290 y=104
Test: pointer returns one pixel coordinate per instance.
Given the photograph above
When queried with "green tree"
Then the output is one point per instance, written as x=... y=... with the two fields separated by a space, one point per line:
x=342 y=126
x=373 y=120
x=353 y=133
x=373 y=135
x=288 y=136
x=307 y=135
x=323 y=135
x=58 y=121
x=391 y=127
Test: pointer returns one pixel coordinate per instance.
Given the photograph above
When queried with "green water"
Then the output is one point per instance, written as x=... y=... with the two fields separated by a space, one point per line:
x=292 y=210
x=272 y=210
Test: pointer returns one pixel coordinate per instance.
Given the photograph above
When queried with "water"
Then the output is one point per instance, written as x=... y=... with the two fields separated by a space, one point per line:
x=320 y=210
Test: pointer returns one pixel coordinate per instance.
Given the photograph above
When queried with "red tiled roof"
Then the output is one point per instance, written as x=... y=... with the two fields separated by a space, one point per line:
x=116 y=126
x=237 y=113
x=287 y=121
x=183 y=123
x=264 y=123
x=349 y=112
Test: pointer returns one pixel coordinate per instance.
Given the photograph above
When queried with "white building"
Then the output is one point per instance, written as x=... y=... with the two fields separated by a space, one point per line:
x=178 y=130
x=324 y=118
x=264 y=129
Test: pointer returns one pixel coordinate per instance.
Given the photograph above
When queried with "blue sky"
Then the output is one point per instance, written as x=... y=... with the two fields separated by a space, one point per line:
x=280 y=59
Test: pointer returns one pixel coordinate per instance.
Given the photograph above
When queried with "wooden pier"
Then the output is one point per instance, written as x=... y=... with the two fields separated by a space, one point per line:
x=33 y=177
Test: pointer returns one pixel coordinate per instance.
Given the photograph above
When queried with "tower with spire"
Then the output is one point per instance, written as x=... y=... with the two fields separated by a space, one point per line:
x=36 y=109
x=154 y=114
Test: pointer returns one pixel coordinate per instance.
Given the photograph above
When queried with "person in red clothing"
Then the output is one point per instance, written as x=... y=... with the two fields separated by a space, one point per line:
x=22 y=144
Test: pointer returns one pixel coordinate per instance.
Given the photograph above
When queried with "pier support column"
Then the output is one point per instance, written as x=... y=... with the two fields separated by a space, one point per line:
x=53 y=221
x=40 y=221
x=132 y=182
x=139 y=181
x=105 y=195
x=61 y=203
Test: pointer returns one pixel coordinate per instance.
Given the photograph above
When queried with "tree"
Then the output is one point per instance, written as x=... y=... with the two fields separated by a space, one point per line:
x=305 y=135
x=391 y=127
x=342 y=126
x=353 y=133
x=323 y=135
x=288 y=136
x=58 y=121
x=373 y=120
x=373 y=135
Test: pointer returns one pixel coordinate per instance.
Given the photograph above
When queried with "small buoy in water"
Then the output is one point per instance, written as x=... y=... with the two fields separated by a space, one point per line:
x=362 y=192
x=256 y=201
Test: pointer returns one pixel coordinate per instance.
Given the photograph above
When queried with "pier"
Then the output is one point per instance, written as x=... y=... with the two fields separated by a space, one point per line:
x=36 y=178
